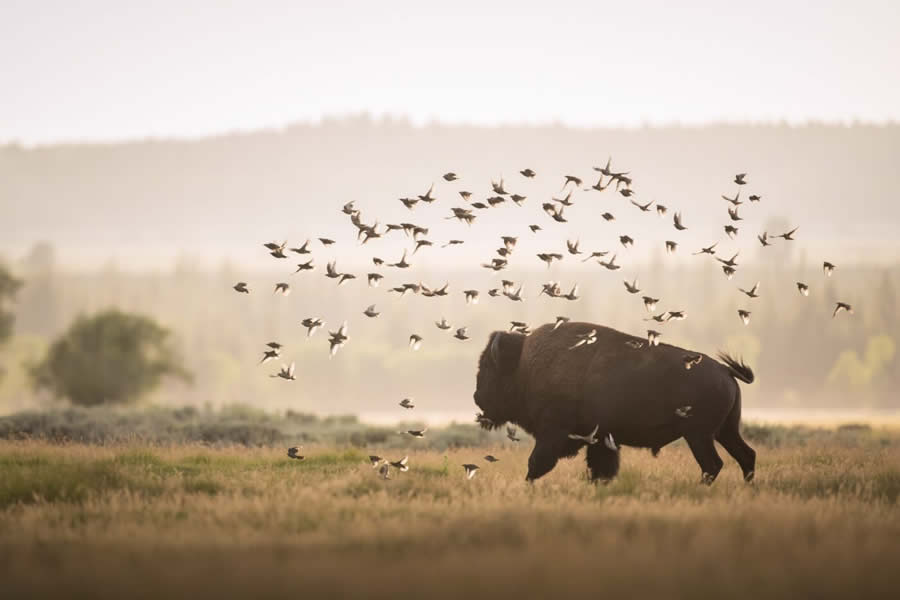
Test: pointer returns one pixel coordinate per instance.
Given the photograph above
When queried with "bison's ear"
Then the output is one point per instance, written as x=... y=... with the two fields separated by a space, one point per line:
x=506 y=350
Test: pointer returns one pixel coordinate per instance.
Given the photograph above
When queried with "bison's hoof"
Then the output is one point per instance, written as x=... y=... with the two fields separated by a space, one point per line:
x=707 y=479
x=748 y=476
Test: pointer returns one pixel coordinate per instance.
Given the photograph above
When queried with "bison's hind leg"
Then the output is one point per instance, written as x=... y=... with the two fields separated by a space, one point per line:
x=704 y=450
x=602 y=462
x=731 y=440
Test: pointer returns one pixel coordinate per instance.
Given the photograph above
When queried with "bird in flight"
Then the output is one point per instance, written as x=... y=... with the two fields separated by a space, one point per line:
x=752 y=292
x=241 y=287
x=839 y=306
x=470 y=470
x=589 y=439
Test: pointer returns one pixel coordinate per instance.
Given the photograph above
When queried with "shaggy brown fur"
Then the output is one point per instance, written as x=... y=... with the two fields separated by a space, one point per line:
x=550 y=391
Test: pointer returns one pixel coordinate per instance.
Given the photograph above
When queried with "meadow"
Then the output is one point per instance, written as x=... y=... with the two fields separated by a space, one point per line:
x=163 y=519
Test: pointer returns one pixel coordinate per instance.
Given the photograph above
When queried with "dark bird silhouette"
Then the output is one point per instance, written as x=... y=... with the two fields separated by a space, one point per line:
x=451 y=176
x=549 y=257
x=567 y=201
x=555 y=213
x=294 y=453
x=417 y=433
x=453 y=243
x=653 y=337
x=729 y=271
x=427 y=197
x=496 y=264
x=498 y=188
x=707 y=249
x=307 y=266
x=283 y=288
x=802 y=288
x=677 y=220
x=736 y=201
x=443 y=324
x=465 y=195
x=518 y=199
x=789 y=235
x=304 y=249
x=627 y=192
x=643 y=207
x=599 y=185
x=407 y=403
x=409 y=203
x=632 y=287
x=311 y=324
x=572 y=179
x=661 y=210
x=626 y=241
x=241 y=287
x=374 y=279
x=491 y=458
x=608 y=217
x=337 y=339
x=764 y=239
x=326 y=241
x=731 y=231
x=461 y=334
x=650 y=303
x=596 y=254
x=744 y=315
x=839 y=306
x=733 y=213
x=527 y=173
x=753 y=198
x=752 y=292
x=671 y=246
x=371 y=312
x=534 y=228
x=400 y=264
x=739 y=178
x=610 y=264
x=731 y=262
x=470 y=470
x=828 y=268
x=286 y=372
x=573 y=247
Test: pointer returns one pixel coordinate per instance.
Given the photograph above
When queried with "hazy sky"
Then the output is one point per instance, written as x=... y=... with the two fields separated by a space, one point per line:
x=111 y=69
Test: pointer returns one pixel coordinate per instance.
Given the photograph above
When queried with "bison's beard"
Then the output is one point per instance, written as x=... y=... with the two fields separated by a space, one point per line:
x=488 y=423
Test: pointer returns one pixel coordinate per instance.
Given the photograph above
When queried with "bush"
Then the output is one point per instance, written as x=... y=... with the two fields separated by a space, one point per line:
x=9 y=285
x=110 y=358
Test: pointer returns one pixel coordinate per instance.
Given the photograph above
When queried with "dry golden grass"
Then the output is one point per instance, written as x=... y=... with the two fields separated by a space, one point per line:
x=81 y=521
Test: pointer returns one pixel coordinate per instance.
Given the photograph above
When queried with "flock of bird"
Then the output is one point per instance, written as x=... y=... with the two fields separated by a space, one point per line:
x=619 y=181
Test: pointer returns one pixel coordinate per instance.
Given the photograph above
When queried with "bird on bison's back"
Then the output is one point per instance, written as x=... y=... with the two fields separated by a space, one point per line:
x=536 y=383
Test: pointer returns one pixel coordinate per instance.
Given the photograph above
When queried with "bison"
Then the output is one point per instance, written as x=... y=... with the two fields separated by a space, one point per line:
x=643 y=396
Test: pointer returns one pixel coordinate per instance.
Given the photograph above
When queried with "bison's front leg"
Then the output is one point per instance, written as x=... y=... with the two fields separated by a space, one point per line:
x=543 y=458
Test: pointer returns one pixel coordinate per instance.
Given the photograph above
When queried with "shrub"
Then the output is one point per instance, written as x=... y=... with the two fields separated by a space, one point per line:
x=110 y=358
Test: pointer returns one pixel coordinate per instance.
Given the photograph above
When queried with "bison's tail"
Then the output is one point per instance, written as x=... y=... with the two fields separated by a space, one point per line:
x=737 y=367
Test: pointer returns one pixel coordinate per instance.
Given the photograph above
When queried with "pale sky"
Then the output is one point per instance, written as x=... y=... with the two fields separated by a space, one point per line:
x=112 y=69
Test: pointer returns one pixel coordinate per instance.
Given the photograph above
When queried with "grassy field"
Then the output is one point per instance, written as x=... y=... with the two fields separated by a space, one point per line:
x=138 y=520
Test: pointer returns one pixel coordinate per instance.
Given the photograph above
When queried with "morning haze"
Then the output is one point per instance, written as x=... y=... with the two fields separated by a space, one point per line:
x=166 y=228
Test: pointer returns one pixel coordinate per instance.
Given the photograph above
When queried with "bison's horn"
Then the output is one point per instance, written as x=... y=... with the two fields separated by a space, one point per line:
x=495 y=349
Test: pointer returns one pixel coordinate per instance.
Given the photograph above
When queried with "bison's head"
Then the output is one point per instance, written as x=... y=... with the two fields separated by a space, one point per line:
x=495 y=389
